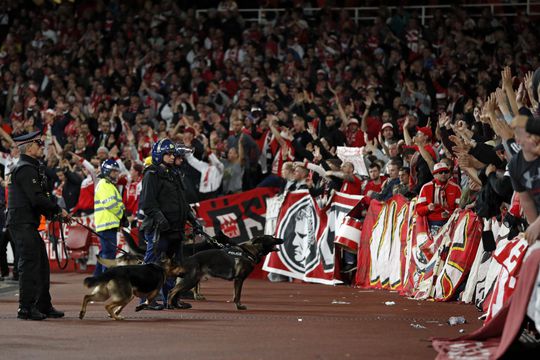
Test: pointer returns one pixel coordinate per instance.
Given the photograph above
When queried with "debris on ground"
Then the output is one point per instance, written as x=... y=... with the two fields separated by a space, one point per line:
x=390 y=303
x=338 y=302
x=418 y=326
x=456 y=320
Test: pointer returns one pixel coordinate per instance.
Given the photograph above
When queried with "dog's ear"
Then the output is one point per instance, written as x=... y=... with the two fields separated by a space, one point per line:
x=258 y=239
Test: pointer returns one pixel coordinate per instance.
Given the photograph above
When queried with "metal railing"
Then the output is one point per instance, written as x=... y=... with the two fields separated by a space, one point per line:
x=424 y=12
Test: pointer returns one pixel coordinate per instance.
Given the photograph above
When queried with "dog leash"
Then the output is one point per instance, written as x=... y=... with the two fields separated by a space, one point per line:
x=246 y=253
x=54 y=242
x=211 y=239
x=97 y=234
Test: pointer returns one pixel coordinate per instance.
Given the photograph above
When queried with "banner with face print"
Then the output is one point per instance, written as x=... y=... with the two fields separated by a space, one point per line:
x=308 y=252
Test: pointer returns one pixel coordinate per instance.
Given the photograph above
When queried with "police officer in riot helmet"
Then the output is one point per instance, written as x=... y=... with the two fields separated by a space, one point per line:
x=180 y=152
x=28 y=200
x=109 y=211
x=164 y=205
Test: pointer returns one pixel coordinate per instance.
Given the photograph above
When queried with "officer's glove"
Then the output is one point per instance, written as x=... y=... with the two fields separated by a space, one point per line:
x=124 y=222
x=162 y=224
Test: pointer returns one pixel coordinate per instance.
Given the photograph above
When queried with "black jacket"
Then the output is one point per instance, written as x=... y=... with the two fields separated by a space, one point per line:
x=71 y=189
x=163 y=200
x=27 y=197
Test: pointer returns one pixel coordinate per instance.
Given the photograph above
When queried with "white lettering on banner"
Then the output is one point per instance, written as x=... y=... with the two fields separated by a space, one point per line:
x=511 y=262
x=375 y=245
x=253 y=227
x=229 y=225
x=506 y=279
x=451 y=272
x=469 y=351
x=385 y=246
x=355 y=156
x=273 y=205
x=394 y=273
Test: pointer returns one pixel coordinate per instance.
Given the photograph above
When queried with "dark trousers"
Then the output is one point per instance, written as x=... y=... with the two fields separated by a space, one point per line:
x=168 y=243
x=153 y=256
x=5 y=239
x=107 y=240
x=34 y=271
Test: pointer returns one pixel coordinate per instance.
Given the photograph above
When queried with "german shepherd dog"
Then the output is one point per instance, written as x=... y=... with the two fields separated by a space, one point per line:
x=123 y=260
x=232 y=263
x=220 y=240
x=122 y=283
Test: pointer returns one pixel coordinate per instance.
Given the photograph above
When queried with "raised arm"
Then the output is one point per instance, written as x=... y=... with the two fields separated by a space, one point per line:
x=506 y=75
x=363 y=124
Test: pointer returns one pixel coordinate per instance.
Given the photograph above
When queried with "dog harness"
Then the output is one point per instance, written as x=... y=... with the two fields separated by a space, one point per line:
x=238 y=252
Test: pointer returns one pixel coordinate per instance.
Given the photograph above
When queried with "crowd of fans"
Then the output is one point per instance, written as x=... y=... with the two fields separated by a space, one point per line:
x=267 y=103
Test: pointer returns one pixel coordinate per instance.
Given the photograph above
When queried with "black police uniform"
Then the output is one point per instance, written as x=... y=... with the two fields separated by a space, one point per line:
x=165 y=208
x=27 y=200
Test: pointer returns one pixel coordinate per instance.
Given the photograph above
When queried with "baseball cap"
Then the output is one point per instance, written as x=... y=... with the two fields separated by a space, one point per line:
x=425 y=130
x=387 y=125
x=440 y=167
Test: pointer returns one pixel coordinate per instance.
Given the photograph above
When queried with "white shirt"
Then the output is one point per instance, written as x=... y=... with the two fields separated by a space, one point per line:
x=211 y=173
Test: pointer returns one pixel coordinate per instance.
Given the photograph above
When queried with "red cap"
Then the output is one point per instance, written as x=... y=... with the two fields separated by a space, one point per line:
x=426 y=131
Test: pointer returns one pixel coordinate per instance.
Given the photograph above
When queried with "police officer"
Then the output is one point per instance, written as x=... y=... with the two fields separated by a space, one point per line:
x=109 y=211
x=164 y=206
x=28 y=199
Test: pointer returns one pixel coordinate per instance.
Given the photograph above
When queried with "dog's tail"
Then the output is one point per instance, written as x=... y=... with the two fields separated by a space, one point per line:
x=108 y=263
x=92 y=281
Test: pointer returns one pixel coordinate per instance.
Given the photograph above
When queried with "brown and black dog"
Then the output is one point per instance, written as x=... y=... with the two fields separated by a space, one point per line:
x=123 y=260
x=122 y=283
x=232 y=263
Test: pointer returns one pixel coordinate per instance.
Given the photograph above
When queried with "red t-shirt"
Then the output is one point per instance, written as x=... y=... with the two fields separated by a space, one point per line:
x=352 y=187
x=277 y=151
x=355 y=138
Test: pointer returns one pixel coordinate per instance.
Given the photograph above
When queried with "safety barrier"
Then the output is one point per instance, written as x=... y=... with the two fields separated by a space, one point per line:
x=425 y=12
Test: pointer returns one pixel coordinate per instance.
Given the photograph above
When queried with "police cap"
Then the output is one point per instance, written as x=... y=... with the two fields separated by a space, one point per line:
x=27 y=138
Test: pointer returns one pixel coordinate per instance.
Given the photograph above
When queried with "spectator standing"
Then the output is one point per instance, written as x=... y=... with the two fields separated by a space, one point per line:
x=525 y=173
x=233 y=170
x=389 y=184
x=68 y=185
x=424 y=159
x=251 y=152
x=438 y=198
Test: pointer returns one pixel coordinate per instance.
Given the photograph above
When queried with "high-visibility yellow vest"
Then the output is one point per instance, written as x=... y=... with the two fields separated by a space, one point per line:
x=108 y=206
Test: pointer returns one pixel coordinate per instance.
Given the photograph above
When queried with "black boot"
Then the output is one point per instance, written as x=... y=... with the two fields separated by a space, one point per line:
x=179 y=305
x=30 y=314
x=53 y=313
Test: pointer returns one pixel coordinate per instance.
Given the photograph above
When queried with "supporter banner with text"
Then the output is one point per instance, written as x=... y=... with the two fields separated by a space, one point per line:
x=240 y=216
x=457 y=243
x=397 y=251
x=381 y=257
